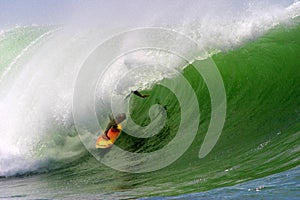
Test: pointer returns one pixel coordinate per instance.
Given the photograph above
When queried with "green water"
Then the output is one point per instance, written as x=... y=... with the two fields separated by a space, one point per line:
x=260 y=137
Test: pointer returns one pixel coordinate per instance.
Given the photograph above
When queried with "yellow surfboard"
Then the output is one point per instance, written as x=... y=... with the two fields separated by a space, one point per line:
x=113 y=133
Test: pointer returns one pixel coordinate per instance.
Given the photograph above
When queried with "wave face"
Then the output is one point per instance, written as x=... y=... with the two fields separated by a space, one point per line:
x=259 y=66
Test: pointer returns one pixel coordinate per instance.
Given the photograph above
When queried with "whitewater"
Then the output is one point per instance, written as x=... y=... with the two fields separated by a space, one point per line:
x=49 y=122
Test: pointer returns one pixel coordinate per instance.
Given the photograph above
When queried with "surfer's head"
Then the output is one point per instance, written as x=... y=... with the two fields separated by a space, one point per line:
x=120 y=117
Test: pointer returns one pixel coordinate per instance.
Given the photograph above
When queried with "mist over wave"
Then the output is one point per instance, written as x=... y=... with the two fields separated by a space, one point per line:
x=39 y=65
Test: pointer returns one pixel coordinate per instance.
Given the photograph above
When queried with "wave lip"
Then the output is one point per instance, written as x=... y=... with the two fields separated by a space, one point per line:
x=218 y=36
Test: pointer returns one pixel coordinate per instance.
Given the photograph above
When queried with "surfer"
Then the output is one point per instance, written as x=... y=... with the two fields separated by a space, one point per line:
x=137 y=93
x=111 y=133
x=113 y=122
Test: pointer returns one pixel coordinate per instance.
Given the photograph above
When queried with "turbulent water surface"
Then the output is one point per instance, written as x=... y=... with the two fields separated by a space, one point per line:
x=43 y=155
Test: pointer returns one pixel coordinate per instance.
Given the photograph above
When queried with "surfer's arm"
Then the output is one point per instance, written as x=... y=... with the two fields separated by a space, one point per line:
x=111 y=118
x=107 y=129
x=111 y=123
x=137 y=93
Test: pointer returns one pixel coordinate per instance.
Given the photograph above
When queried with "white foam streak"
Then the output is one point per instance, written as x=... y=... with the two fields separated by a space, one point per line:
x=38 y=99
x=225 y=33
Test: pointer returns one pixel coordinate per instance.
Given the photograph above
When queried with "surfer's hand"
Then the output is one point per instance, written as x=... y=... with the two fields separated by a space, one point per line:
x=146 y=95
x=107 y=136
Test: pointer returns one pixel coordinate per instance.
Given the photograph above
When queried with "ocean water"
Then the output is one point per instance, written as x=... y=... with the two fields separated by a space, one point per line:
x=222 y=119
